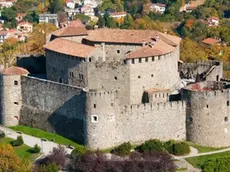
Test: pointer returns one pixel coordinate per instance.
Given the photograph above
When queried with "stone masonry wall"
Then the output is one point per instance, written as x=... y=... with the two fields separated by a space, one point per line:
x=207 y=117
x=137 y=123
x=53 y=107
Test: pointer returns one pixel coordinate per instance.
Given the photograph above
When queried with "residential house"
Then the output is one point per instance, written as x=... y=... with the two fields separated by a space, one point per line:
x=6 y=3
x=209 y=42
x=3 y=36
x=25 y=27
x=158 y=7
x=70 y=4
x=118 y=15
x=213 y=21
x=49 y=18
x=192 y=5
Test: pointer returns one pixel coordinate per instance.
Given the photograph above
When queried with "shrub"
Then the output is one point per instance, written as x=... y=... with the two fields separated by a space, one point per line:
x=2 y=134
x=217 y=165
x=150 y=145
x=46 y=168
x=178 y=148
x=18 y=142
x=35 y=149
x=123 y=149
x=78 y=152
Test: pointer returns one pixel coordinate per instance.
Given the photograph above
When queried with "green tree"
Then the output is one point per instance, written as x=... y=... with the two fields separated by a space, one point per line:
x=128 y=22
x=101 y=21
x=109 y=22
x=84 y=19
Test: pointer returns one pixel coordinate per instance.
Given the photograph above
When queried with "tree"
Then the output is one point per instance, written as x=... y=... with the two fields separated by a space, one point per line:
x=9 y=161
x=84 y=18
x=37 y=37
x=109 y=22
x=56 y=6
x=128 y=22
x=101 y=21
x=8 y=15
x=8 y=52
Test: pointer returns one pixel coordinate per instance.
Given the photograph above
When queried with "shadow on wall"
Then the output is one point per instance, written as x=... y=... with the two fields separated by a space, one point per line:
x=34 y=64
x=67 y=120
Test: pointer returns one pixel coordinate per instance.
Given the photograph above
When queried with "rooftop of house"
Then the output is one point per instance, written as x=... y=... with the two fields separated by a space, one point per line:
x=195 y=4
x=213 y=18
x=68 y=47
x=130 y=36
x=210 y=41
x=159 y=4
x=24 y=23
x=74 y=28
x=156 y=90
x=14 y=70
x=155 y=48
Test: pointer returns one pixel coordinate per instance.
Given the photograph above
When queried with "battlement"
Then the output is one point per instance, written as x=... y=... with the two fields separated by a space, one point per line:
x=153 y=106
x=208 y=63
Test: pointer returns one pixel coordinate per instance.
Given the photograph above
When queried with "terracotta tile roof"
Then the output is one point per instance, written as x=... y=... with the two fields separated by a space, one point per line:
x=24 y=23
x=14 y=70
x=70 y=31
x=154 y=90
x=68 y=47
x=129 y=36
x=210 y=41
x=159 y=4
x=213 y=18
x=195 y=4
x=157 y=48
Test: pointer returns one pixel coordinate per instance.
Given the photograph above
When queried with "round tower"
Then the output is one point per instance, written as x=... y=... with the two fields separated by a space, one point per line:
x=208 y=113
x=10 y=94
x=100 y=122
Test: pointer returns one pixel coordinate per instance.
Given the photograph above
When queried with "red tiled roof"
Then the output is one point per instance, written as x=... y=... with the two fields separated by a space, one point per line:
x=14 y=70
x=129 y=36
x=152 y=90
x=210 y=41
x=70 y=31
x=23 y=23
x=68 y=47
x=213 y=18
x=157 y=48
x=159 y=4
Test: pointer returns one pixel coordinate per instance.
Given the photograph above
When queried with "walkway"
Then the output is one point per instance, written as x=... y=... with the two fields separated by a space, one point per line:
x=46 y=146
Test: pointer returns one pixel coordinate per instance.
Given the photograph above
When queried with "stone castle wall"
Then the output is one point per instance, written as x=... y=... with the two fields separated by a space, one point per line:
x=136 y=123
x=207 y=117
x=53 y=107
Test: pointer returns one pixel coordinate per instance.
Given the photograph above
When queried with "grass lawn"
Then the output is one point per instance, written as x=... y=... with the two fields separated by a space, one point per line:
x=43 y=134
x=22 y=151
x=202 y=149
x=199 y=161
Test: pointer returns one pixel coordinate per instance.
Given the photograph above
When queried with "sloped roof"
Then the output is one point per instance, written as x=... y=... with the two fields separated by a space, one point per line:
x=68 y=47
x=156 y=48
x=129 y=36
x=14 y=70
x=155 y=90
x=210 y=41
x=70 y=31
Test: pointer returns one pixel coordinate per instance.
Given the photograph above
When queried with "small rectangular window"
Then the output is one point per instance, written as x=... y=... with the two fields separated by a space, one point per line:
x=125 y=61
x=94 y=119
x=153 y=58
x=90 y=59
x=15 y=82
x=133 y=61
x=118 y=51
x=146 y=59
x=16 y=103
x=139 y=60
x=94 y=105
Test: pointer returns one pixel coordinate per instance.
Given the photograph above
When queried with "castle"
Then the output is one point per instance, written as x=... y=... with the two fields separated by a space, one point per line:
x=107 y=86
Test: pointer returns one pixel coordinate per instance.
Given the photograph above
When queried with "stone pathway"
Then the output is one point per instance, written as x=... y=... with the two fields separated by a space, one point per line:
x=46 y=146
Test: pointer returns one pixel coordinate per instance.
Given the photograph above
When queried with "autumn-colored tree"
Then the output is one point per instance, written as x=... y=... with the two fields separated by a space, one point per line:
x=8 y=52
x=37 y=37
x=9 y=161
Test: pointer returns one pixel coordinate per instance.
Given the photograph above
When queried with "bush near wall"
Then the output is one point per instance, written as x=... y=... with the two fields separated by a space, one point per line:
x=177 y=148
x=35 y=149
x=150 y=145
x=2 y=134
x=78 y=152
x=123 y=149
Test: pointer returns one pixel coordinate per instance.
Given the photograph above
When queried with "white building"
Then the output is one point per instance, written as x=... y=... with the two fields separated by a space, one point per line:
x=158 y=7
x=49 y=18
x=213 y=21
x=3 y=36
x=118 y=15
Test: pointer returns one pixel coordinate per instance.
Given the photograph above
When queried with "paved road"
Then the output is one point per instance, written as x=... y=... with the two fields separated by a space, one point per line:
x=46 y=146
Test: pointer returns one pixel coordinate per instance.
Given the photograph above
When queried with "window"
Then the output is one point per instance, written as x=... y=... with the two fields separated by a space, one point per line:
x=146 y=59
x=152 y=75
x=226 y=119
x=111 y=104
x=159 y=58
x=81 y=77
x=115 y=78
x=94 y=119
x=190 y=119
x=15 y=82
x=140 y=60
x=125 y=61
x=118 y=51
x=133 y=61
x=206 y=106
x=227 y=103
x=139 y=76
x=153 y=59
x=94 y=105
x=60 y=80
x=16 y=103
x=90 y=59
